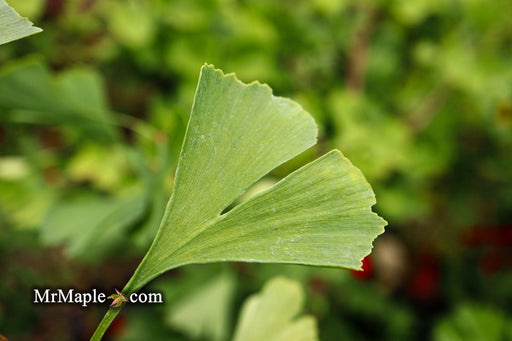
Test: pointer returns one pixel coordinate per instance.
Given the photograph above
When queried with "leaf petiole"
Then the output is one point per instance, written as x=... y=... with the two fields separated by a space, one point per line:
x=105 y=322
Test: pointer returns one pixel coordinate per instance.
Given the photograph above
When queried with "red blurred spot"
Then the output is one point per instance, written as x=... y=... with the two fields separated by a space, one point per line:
x=491 y=262
x=424 y=283
x=54 y=8
x=494 y=245
x=117 y=327
x=2 y=136
x=50 y=138
x=494 y=236
x=367 y=271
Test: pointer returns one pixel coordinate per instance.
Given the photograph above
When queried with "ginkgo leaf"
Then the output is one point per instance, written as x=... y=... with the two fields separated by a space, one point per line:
x=13 y=26
x=318 y=215
x=236 y=134
x=272 y=315
x=206 y=312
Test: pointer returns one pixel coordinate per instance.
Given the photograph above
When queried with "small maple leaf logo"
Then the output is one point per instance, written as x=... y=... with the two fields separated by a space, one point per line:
x=118 y=299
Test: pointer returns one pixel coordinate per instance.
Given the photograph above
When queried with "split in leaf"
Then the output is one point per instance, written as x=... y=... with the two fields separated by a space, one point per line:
x=319 y=215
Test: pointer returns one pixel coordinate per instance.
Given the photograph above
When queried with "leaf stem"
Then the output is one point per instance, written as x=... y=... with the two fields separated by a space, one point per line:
x=133 y=285
x=113 y=311
x=105 y=323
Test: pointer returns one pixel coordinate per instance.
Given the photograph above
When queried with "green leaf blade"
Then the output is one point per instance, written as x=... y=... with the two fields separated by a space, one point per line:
x=237 y=133
x=319 y=215
x=12 y=25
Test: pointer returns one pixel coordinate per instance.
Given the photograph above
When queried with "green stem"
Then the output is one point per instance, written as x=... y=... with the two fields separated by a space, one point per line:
x=112 y=312
x=105 y=323
x=133 y=285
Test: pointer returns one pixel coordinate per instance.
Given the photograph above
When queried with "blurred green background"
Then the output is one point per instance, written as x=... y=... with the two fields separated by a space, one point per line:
x=417 y=94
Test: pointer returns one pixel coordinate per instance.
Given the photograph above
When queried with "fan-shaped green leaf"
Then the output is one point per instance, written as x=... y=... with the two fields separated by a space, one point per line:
x=319 y=215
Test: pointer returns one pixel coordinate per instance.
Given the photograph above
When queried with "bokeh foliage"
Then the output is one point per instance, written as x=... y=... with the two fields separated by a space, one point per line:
x=417 y=94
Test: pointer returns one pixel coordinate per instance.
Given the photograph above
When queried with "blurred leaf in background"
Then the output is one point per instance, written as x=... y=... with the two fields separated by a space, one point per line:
x=417 y=94
x=473 y=322
x=30 y=94
x=206 y=312
x=272 y=314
